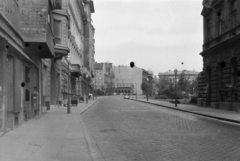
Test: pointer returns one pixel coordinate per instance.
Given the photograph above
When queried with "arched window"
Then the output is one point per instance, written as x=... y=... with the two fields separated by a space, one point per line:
x=234 y=74
x=234 y=79
x=220 y=67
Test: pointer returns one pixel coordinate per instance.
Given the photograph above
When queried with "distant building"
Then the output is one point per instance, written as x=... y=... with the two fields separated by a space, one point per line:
x=154 y=86
x=104 y=77
x=219 y=83
x=189 y=75
x=131 y=79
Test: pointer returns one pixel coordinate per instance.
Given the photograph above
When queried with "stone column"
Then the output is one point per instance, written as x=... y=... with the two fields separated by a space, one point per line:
x=3 y=111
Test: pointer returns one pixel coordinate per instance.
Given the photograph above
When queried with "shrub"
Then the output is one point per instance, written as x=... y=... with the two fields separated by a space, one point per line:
x=163 y=97
x=193 y=100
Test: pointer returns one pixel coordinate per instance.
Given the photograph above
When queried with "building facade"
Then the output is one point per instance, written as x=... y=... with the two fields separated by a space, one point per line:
x=131 y=77
x=104 y=77
x=189 y=75
x=73 y=63
x=89 y=50
x=219 y=79
x=36 y=38
x=27 y=47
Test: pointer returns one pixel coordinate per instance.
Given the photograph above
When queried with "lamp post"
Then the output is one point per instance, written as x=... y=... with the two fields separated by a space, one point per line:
x=95 y=92
x=175 y=71
x=136 y=90
x=68 y=101
x=147 y=89
x=87 y=90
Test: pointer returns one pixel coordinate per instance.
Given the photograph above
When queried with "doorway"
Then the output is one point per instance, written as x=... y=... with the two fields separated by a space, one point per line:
x=209 y=89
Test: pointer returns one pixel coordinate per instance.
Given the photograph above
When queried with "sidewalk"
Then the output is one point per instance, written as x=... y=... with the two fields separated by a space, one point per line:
x=52 y=136
x=230 y=116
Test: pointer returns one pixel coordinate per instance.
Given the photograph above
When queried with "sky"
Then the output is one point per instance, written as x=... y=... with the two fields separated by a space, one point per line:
x=157 y=35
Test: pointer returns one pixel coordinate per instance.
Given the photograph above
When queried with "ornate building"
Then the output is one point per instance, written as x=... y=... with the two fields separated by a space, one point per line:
x=219 y=80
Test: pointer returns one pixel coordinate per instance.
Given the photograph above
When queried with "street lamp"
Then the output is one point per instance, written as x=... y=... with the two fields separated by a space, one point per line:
x=147 y=89
x=136 y=90
x=175 y=71
x=95 y=92
x=87 y=90
x=68 y=101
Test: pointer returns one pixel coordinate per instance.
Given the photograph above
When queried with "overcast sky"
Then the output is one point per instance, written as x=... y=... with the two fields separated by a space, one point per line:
x=158 y=35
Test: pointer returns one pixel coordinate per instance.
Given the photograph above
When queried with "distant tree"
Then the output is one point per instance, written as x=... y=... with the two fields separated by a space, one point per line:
x=183 y=83
x=164 y=86
x=194 y=87
x=144 y=87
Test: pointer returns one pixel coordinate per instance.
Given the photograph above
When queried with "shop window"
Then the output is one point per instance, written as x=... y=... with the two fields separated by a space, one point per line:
x=57 y=30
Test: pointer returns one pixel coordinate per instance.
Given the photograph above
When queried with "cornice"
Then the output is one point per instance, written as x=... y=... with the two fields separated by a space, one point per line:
x=73 y=42
x=74 y=18
x=10 y=31
x=223 y=45
x=61 y=13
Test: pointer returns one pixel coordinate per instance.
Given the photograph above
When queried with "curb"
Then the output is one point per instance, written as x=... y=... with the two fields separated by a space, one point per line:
x=92 y=145
x=196 y=113
x=88 y=107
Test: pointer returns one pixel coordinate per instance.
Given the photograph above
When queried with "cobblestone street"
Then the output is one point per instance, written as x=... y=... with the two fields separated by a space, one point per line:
x=128 y=130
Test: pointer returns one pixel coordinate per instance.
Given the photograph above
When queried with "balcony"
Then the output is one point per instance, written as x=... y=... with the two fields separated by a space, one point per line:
x=40 y=42
x=36 y=30
x=61 y=51
x=75 y=70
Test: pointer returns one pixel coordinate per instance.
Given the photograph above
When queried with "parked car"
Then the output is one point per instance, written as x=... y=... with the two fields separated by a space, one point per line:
x=126 y=96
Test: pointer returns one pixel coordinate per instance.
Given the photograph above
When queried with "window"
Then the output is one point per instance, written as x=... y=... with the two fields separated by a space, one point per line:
x=27 y=95
x=57 y=30
x=234 y=74
x=233 y=14
x=219 y=23
x=208 y=29
x=27 y=72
